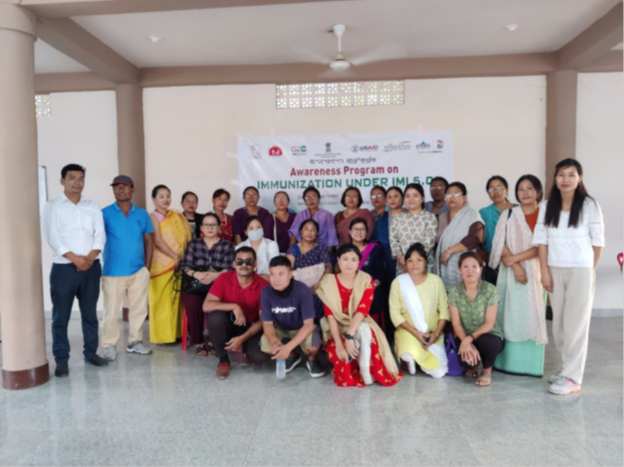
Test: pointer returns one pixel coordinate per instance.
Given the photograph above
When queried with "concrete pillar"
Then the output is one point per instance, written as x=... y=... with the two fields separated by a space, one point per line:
x=130 y=137
x=24 y=362
x=561 y=92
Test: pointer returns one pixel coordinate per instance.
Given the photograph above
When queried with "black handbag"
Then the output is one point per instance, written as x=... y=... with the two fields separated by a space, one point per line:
x=188 y=284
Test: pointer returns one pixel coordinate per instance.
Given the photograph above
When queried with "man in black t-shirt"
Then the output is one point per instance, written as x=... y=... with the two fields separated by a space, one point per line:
x=288 y=319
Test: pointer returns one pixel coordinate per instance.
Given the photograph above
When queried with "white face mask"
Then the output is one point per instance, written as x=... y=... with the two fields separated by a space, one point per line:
x=255 y=235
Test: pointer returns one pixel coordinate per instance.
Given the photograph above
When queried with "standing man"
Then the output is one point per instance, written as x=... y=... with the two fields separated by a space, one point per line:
x=437 y=188
x=74 y=229
x=233 y=307
x=127 y=259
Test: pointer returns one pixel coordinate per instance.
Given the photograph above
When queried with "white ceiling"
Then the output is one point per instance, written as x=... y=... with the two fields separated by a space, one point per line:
x=50 y=60
x=376 y=29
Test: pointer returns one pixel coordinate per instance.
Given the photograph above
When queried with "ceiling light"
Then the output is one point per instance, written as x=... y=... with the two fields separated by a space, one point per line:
x=512 y=27
x=154 y=39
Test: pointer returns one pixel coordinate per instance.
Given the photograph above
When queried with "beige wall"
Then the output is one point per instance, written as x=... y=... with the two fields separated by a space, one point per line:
x=498 y=124
x=82 y=130
x=600 y=148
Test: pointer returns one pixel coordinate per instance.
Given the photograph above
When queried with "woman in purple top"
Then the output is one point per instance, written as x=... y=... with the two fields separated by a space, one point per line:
x=283 y=219
x=251 y=196
x=324 y=219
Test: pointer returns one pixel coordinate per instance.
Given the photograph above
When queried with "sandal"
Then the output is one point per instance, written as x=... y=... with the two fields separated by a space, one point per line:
x=472 y=373
x=204 y=350
x=484 y=380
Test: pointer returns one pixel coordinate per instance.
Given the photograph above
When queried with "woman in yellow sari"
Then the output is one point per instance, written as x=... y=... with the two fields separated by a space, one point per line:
x=171 y=234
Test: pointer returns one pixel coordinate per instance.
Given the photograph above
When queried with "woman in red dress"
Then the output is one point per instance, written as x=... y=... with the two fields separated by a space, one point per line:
x=220 y=200
x=356 y=346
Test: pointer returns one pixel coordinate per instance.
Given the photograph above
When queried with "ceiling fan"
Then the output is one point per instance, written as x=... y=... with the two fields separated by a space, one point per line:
x=340 y=62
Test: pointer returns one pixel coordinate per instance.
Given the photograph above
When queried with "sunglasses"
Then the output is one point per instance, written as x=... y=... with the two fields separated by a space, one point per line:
x=246 y=262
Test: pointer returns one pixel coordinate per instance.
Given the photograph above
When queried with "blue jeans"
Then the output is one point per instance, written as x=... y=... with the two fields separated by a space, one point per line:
x=67 y=283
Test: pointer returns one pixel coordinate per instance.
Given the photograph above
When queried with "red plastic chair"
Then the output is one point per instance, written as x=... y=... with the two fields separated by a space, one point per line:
x=184 y=331
x=620 y=258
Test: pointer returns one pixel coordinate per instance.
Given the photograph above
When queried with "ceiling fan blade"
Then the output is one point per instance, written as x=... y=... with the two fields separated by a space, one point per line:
x=379 y=54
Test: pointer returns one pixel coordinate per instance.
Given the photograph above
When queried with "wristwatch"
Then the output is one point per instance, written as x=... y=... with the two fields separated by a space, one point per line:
x=348 y=337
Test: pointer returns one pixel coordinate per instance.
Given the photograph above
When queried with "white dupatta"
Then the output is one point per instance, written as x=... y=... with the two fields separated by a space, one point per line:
x=417 y=313
x=519 y=323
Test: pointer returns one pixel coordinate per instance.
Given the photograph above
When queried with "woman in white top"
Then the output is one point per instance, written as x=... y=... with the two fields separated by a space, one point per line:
x=265 y=249
x=570 y=237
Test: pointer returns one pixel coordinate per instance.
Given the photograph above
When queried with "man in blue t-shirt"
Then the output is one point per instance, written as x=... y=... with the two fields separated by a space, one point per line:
x=288 y=319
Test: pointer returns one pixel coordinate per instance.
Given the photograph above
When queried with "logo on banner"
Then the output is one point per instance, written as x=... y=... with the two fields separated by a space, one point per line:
x=402 y=146
x=299 y=150
x=440 y=144
x=275 y=151
x=423 y=146
x=255 y=151
x=328 y=151
x=364 y=148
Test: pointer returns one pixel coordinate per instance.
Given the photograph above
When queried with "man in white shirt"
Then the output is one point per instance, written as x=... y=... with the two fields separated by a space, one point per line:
x=74 y=228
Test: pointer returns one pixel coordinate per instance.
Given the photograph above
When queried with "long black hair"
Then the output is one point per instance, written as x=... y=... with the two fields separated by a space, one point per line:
x=553 y=208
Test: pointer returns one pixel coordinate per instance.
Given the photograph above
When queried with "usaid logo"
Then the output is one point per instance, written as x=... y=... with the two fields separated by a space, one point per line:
x=299 y=150
x=364 y=148
x=402 y=146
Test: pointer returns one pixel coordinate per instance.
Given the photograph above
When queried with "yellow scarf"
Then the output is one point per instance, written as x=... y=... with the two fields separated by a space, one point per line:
x=176 y=233
x=330 y=295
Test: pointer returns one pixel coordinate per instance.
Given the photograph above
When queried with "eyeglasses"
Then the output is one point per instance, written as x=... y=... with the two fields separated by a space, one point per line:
x=210 y=226
x=311 y=198
x=281 y=198
x=246 y=262
x=437 y=188
x=252 y=196
x=359 y=229
x=352 y=197
x=377 y=196
x=496 y=189
x=453 y=196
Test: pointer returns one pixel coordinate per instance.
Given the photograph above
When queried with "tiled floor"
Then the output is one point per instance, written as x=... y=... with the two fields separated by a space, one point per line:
x=168 y=409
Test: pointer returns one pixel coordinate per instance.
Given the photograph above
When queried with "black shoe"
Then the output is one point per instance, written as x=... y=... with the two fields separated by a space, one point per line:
x=96 y=360
x=315 y=368
x=292 y=363
x=62 y=370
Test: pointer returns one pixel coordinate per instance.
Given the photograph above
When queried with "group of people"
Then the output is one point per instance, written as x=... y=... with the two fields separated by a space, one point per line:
x=408 y=284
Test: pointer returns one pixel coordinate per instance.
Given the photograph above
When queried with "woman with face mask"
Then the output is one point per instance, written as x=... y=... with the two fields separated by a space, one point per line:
x=265 y=249
x=171 y=235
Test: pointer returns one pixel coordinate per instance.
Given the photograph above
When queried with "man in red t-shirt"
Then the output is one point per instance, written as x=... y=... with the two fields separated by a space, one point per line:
x=233 y=307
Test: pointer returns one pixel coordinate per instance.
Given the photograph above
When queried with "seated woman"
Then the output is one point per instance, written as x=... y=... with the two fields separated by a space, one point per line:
x=251 y=196
x=283 y=220
x=220 y=201
x=311 y=261
x=205 y=259
x=324 y=219
x=419 y=310
x=356 y=346
x=460 y=229
x=414 y=226
x=352 y=200
x=265 y=249
x=522 y=310
x=473 y=305
x=372 y=263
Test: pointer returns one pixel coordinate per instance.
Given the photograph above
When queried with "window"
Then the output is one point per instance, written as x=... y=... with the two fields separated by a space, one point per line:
x=42 y=105
x=354 y=94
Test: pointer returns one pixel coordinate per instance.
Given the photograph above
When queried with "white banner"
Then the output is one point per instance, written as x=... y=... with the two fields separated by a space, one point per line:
x=333 y=163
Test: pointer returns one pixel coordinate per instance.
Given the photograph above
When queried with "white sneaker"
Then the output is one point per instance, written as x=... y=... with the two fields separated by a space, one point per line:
x=139 y=348
x=552 y=379
x=110 y=353
x=564 y=387
x=411 y=364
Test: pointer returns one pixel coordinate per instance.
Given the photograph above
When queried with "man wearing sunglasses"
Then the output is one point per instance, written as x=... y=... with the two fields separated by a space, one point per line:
x=233 y=307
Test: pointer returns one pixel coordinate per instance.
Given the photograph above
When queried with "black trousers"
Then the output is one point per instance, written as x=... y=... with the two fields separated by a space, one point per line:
x=221 y=329
x=489 y=346
x=67 y=283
